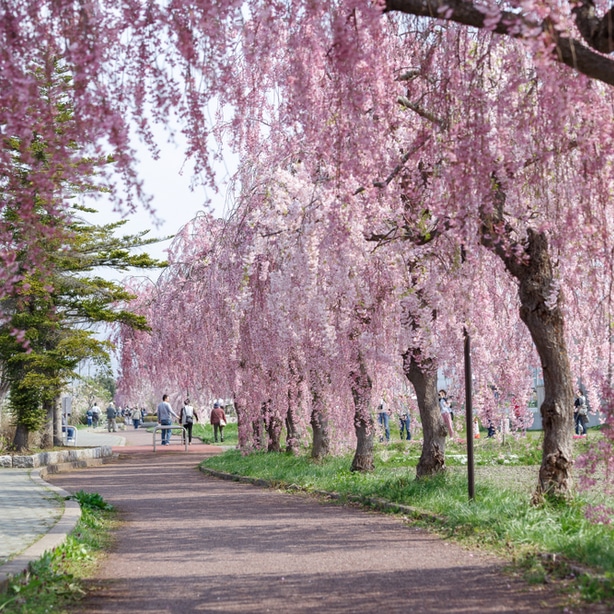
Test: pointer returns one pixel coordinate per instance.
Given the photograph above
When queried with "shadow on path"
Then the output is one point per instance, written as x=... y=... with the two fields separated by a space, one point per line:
x=192 y=543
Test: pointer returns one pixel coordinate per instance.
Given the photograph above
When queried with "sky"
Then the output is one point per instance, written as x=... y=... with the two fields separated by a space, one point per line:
x=173 y=201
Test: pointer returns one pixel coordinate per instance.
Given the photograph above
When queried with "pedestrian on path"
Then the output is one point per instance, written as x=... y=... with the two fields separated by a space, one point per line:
x=111 y=416
x=187 y=417
x=95 y=415
x=383 y=418
x=165 y=418
x=580 y=413
x=218 y=420
x=135 y=416
x=446 y=412
x=404 y=424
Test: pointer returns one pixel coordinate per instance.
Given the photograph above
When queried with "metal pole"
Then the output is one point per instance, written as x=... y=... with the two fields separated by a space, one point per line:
x=469 y=416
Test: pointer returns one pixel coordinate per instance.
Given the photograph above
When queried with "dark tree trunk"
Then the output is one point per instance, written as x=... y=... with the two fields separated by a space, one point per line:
x=293 y=437
x=240 y=420
x=363 y=420
x=273 y=425
x=423 y=377
x=320 y=446
x=295 y=402
x=540 y=309
x=21 y=441
x=58 y=440
x=47 y=433
x=274 y=428
x=258 y=433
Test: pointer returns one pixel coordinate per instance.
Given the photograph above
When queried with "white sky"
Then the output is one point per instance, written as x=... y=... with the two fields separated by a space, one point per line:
x=173 y=201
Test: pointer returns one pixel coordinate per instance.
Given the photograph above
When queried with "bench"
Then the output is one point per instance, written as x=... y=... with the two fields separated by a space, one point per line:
x=171 y=427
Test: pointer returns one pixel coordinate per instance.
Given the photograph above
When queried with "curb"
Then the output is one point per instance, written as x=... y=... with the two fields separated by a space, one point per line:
x=370 y=502
x=54 y=458
x=54 y=538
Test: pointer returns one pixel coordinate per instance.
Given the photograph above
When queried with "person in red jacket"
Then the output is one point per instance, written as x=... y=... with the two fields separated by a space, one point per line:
x=218 y=420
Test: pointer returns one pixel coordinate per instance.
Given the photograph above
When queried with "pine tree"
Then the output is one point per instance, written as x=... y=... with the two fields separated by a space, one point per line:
x=59 y=295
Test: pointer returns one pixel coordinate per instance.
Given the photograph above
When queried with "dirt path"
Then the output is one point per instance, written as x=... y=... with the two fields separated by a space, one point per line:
x=192 y=543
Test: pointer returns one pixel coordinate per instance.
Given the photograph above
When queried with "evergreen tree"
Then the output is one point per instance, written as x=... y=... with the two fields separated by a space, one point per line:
x=50 y=313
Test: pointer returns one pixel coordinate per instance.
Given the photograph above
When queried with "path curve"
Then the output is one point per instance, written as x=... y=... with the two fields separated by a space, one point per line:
x=193 y=543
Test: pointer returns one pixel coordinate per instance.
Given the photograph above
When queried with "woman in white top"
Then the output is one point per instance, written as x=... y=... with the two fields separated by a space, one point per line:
x=187 y=417
x=446 y=412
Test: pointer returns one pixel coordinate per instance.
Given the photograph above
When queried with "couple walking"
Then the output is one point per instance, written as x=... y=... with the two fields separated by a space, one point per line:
x=186 y=418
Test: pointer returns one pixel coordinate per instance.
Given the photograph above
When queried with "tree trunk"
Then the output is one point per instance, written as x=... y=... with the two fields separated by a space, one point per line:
x=540 y=310
x=293 y=438
x=320 y=446
x=273 y=425
x=423 y=377
x=363 y=420
x=48 y=427
x=241 y=436
x=21 y=441
x=58 y=440
x=295 y=403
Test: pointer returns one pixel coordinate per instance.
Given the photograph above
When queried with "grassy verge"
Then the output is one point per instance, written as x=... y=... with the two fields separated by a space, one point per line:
x=205 y=433
x=55 y=581
x=547 y=542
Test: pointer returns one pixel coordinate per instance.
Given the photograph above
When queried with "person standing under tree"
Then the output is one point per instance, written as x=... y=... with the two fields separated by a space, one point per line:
x=580 y=413
x=404 y=422
x=187 y=417
x=218 y=421
x=383 y=418
x=446 y=412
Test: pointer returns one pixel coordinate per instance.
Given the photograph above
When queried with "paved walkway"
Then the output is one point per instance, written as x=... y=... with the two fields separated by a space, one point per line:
x=188 y=542
x=27 y=510
x=30 y=508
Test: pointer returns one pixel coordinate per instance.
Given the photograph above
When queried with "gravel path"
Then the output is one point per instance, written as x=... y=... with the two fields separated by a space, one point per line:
x=193 y=543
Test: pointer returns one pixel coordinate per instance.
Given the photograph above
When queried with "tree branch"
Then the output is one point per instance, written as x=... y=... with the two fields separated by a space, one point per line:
x=568 y=51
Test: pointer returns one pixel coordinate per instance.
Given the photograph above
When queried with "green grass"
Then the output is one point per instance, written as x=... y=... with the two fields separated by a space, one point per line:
x=55 y=581
x=205 y=433
x=501 y=518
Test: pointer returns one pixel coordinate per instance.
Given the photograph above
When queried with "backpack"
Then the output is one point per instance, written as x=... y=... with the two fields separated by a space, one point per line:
x=189 y=418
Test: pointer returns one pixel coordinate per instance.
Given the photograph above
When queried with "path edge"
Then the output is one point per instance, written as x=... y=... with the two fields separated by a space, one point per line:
x=55 y=537
x=367 y=502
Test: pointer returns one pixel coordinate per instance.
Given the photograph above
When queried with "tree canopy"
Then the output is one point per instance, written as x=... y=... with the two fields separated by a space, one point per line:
x=426 y=139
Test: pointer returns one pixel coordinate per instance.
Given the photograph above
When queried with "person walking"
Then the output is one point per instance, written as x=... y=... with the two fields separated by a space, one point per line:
x=165 y=418
x=89 y=416
x=446 y=412
x=218 y=421
x=135 y=416
x=187 y=416
x=383 y=418
x=111 y=416
x=404 y=420
x=580 y=413
x=95 y=415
